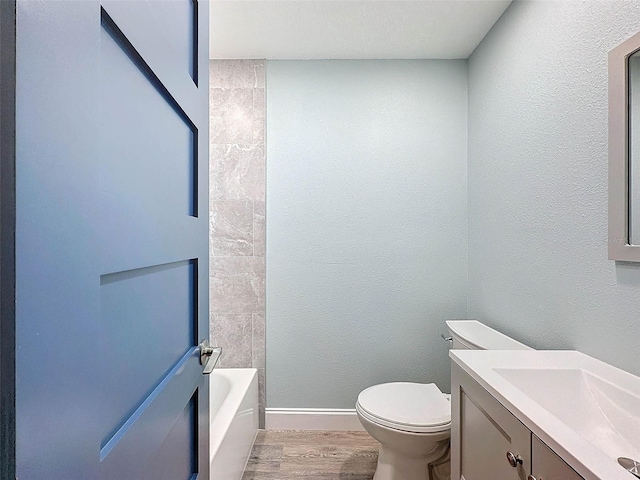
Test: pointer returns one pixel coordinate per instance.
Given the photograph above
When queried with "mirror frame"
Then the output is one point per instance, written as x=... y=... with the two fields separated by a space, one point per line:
x=619 y=182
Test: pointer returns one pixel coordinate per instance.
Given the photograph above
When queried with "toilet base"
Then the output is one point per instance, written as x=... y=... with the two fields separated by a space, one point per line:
x=407 y=455
x=394 y=465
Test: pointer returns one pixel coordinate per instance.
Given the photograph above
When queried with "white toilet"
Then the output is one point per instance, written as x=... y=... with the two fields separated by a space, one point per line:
x=412 y=421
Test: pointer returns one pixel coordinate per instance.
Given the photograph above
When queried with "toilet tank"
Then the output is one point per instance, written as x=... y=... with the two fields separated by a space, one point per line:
x=473 y=335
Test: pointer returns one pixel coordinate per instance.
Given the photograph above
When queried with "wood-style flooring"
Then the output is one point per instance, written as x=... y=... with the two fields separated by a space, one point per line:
x=312 y=455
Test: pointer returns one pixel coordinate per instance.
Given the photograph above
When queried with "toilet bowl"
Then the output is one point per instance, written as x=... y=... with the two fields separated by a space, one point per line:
x=412 y=421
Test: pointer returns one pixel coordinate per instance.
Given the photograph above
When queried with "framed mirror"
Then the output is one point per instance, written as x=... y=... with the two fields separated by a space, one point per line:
x=624 y=151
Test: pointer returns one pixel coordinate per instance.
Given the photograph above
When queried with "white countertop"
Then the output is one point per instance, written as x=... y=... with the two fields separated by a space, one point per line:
x=555 y=379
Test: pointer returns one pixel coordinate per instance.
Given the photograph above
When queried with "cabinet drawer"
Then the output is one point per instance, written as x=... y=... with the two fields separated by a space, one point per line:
x=547 y=465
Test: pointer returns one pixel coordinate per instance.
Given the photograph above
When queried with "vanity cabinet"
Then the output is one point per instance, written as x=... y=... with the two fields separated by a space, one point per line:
x=488 y=442
x=547 y=465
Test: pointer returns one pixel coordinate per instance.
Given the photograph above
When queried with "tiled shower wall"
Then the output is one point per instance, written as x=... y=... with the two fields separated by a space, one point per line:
x=237 y=229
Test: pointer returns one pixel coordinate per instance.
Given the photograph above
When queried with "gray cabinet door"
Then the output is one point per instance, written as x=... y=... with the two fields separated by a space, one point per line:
x=111 y=239
x=546 y=465
x=483 y=431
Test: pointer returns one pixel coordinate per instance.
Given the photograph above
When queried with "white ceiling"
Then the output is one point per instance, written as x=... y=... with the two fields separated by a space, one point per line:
x=350 y=29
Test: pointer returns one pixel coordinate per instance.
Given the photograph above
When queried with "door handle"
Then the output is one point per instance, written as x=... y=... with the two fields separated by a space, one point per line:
x=209 y=356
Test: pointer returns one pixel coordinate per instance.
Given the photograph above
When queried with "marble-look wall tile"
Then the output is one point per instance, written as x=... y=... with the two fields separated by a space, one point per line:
x=237 y=204
x=262 y=395
x=231 y=115
x=258 y=68
x=236 y=74
x=231 y=228
x=237 y=172
x=259 y=115
x=237 y=284
x=258 y=229
x=233 y=334
x=258 y=342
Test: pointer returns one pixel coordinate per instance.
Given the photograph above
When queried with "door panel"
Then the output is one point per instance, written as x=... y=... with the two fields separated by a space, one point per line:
x=178 y=23
x=131 y=451
x=148 y=153
x=179 y=446
x=144 y=25
x=129 y=375
x=142 y=239
x=112 y=239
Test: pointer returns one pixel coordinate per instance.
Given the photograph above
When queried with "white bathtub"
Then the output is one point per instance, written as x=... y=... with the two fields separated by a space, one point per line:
x=234 y=420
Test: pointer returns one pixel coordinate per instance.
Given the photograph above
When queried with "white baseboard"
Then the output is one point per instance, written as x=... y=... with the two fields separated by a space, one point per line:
x=344 y=419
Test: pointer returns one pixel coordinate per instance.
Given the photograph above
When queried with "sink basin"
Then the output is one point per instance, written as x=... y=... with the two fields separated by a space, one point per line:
x=605 y=414
x=586 y=411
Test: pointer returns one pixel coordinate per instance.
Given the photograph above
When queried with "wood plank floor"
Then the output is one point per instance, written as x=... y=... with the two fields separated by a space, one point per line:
x=312 y=455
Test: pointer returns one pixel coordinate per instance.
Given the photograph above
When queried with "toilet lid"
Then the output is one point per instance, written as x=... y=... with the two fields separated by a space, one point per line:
x=414 y=407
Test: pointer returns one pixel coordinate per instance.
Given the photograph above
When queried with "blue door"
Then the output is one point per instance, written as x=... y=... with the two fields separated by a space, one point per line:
x=111 y=239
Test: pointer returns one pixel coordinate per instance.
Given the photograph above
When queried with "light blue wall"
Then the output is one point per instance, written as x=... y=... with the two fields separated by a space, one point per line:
x=538 y=266
x=366 y=225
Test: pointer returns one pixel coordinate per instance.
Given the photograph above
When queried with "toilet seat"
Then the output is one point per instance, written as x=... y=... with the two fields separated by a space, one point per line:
x=409 y=407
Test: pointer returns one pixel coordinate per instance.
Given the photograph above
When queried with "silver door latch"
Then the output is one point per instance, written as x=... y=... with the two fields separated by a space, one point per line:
x=209 y=356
